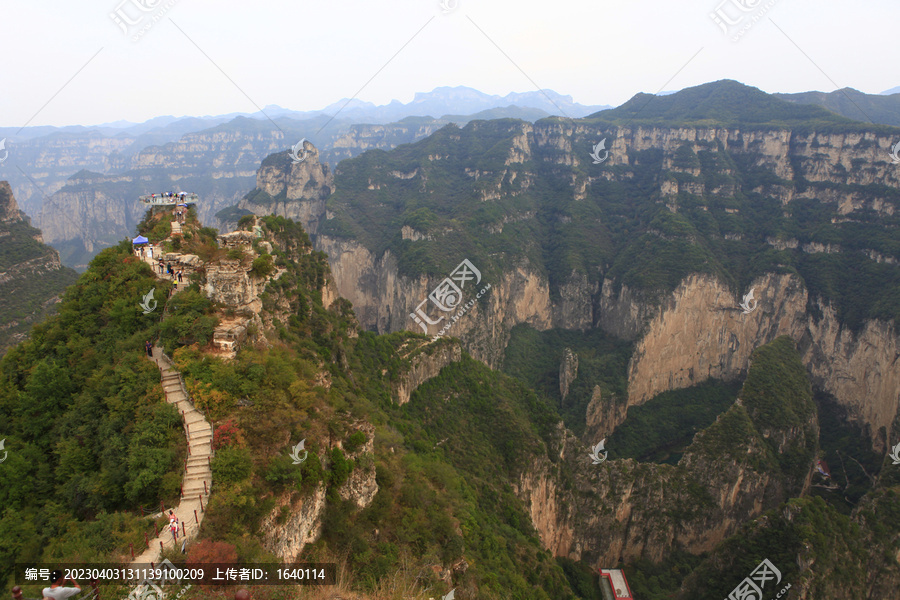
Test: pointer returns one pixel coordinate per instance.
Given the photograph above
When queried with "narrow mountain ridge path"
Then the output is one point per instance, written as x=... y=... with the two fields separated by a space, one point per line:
x=197 y=481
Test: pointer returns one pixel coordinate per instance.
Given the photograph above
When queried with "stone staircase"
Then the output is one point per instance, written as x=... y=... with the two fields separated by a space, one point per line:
x=197 y=481
x=176 y=228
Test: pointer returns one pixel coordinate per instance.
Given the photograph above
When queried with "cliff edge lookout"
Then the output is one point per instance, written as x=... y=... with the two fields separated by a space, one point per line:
x=169 y=199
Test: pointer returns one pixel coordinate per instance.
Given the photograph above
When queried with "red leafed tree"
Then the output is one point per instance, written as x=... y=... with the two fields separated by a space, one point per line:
x=228 y=433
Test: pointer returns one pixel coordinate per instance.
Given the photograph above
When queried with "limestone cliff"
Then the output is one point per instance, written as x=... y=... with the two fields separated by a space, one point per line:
x=422 y=361
x=700 y=332
x=295 y=190
x=622 y=510
x=297 y=518
x=681 y=336
x=31 y=276
x=568 y=371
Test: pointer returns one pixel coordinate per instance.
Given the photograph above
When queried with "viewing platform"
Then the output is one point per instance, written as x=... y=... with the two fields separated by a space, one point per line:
x=166 y=200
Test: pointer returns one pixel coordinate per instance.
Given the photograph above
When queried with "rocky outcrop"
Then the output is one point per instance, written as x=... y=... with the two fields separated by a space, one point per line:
x=229 y=282
x=295 y=190
x=297 y=519
x=700 y=332
x=31 y=276
x=361 y=486
x=568 y=371
x=303 y=525
x=622 y=510
x=423 y=363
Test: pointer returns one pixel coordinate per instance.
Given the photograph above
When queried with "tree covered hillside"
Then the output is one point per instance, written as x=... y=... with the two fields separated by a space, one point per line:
x=671 y=199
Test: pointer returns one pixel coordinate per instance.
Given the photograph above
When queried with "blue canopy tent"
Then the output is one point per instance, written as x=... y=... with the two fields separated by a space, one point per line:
x=139 y=240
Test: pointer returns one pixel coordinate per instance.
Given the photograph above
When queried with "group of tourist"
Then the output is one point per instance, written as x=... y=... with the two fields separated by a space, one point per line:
x=142 y=251
x=177 y=276
x=178 y=195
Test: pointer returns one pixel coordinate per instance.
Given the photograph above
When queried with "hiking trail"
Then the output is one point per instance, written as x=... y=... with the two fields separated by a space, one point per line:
x=198 y=472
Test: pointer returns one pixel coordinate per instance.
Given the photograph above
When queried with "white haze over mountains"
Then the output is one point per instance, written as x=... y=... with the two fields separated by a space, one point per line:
x=71 y=63
x=441 y=101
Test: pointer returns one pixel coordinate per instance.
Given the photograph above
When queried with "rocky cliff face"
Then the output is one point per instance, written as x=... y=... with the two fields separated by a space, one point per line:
x=700 y=332
x=383 y=300
x=293 y=190
x=297 y=519
x=683 y=337
x=425 y=362
x=622 y=510
x=568 y=371
x=31 y=276
x=360 y=138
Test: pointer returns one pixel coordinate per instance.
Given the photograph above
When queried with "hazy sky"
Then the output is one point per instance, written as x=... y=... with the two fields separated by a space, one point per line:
x=206 y=57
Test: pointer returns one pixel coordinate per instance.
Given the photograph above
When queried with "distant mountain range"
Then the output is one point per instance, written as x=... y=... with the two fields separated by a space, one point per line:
x=881 y=108
x=441 y=101
x=48 y=156
x=80 y=183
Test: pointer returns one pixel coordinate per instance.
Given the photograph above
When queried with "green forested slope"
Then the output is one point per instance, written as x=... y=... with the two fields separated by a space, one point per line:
x=91 y=439
x=26 y=293
x=622 y=229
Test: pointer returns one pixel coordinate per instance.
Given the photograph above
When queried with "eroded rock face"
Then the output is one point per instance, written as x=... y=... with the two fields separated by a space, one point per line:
x=302 y=526
x=228 y=282
x=426 y=363
x=297 y=521
x=361 y=486
x=700 y=332
x=298 y=190
x=625 y=510
x=383 y=299
x=568 y=371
